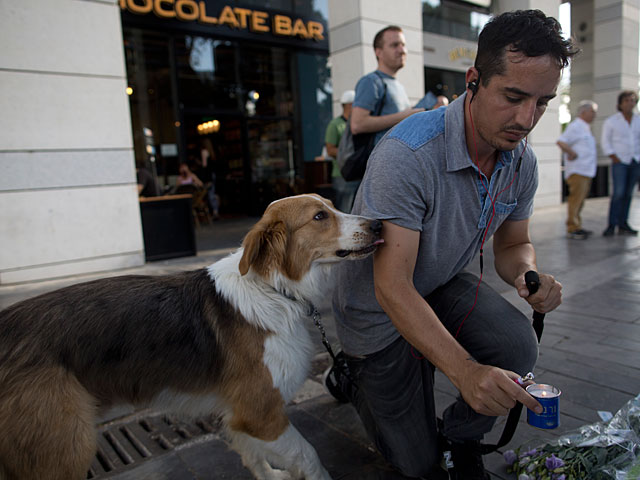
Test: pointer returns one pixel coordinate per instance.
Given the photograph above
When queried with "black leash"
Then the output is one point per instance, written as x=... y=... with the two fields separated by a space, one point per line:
x=533 y=283
x=315 y=314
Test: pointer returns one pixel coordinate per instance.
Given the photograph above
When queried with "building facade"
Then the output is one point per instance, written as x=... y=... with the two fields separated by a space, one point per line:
x=93 y=88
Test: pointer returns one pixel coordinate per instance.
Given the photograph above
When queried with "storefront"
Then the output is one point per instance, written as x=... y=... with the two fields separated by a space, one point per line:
x=451 y=30
x=235 y=90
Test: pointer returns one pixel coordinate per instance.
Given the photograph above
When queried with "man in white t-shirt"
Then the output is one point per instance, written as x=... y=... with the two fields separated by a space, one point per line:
x=621 y=142
x=580 y=163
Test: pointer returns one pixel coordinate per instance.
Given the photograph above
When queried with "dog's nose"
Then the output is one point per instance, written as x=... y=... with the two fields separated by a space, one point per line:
x=376 y=226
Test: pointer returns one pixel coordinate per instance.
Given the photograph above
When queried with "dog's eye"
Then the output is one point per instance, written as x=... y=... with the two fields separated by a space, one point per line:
x=321 y=215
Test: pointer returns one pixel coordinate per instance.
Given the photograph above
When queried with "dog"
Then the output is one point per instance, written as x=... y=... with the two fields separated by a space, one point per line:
x=228 y=339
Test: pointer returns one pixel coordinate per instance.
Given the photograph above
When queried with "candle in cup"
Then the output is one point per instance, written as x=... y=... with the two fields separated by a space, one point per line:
x=549 y=397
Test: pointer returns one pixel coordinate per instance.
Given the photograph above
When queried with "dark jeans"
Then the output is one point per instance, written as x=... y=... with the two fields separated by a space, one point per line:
x=394 y=395
x=624 y=179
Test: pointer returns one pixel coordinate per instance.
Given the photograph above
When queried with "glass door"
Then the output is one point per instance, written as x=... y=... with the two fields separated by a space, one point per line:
x=273 y=168
x=216 y=153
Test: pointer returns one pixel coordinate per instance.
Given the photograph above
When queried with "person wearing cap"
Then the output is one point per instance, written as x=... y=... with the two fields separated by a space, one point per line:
x=345 y=191
x=580 y=164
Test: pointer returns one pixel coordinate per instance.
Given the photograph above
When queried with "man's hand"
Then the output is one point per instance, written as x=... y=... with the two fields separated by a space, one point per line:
x=492 y=391
x=548 y=296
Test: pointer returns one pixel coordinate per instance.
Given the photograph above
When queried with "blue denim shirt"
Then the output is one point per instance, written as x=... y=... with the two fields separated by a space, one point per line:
x=420 y=177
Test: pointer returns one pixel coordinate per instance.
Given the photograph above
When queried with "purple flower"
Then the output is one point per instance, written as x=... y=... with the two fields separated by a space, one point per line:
x=553 y=462
x=530 y=453
x=510 y=457
x=558 y=477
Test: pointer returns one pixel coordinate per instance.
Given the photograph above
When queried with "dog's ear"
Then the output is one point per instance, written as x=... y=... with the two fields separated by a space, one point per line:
x=264 y=246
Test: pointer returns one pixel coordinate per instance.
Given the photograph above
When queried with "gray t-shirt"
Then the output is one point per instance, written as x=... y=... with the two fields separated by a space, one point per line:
x=420 y=177
x=369 y=91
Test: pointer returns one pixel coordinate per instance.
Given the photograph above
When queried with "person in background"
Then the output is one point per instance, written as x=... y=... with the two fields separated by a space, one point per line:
x=391 y=54
x=620 y=141
x=345 y=191
x=187 y=177
x=442 y=101
x=147 y=186
x=209 y=166
x=442 y=182
x=578 y=146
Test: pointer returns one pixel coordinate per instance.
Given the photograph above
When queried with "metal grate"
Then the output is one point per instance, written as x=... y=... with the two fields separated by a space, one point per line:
x=127 y=442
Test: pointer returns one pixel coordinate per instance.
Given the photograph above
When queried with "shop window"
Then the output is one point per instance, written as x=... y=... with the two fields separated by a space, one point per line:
x=273 y=167
x=444 y=82
x=153 y=118
x=453 y=19
x=266 y=81
x=207 y=73
x=259 y=110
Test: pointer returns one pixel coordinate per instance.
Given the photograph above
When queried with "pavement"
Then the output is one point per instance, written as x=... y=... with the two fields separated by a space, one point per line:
x=590 y=350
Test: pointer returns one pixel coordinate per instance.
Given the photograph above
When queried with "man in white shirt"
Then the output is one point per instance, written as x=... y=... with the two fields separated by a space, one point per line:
x=580 y=163
x=621 y=142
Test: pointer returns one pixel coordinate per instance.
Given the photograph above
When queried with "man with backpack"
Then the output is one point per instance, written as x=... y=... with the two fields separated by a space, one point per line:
x=380 y=103
x=381 y=88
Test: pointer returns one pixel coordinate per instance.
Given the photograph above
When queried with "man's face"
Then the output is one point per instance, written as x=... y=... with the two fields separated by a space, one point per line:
x=393 y=53
x=507 y=109
x=628 y=103
x=589 y=115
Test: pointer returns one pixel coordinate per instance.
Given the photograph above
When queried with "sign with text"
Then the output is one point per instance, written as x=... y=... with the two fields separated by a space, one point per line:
x=212 y=17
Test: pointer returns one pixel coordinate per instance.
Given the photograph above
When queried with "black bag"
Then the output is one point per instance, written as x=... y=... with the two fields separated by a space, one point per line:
x=354 y=150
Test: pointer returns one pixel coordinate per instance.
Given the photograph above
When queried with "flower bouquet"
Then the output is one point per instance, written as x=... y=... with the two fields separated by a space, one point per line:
x=600 y=451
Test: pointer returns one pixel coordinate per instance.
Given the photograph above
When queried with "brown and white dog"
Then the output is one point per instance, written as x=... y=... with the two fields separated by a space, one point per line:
x=228 y=339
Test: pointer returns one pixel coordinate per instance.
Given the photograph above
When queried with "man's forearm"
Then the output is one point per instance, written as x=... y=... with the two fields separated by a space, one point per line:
x=514 y=260
x=514 y=253
x=567 y=149
x=367 y=123
x=332 y=150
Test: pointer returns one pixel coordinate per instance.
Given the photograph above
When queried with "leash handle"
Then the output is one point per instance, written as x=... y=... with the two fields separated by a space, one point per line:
x=532 y=279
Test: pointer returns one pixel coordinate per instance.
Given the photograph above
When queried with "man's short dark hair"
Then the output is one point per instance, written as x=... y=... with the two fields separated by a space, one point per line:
x=624 y=94
x=378 y=40
x=529 y=32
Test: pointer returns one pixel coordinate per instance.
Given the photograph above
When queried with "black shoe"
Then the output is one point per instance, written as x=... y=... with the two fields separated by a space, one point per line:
x=578 y=235
x=464 y=460
x=609 y=231
x=337 y=379
x=627 y=230
x=586 y=232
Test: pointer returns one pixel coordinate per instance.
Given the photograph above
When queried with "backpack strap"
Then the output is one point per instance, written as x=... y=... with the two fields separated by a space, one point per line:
x=384 y=95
